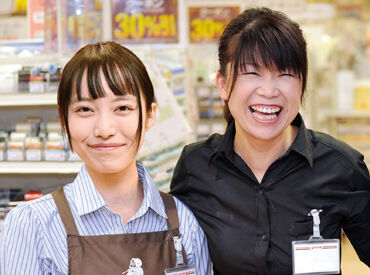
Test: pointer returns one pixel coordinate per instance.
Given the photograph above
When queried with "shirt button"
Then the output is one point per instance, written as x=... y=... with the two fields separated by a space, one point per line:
x=264 y=237
x=261 y=192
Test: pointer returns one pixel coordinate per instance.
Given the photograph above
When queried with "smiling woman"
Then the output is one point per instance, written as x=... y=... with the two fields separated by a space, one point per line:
x=252 y=188
x=111 y=217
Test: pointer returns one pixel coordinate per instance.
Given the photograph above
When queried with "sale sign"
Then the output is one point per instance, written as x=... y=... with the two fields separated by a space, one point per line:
x=35 y=14
x=207 y=23
x=50 y=27
x=83 y=23
x=145 y=21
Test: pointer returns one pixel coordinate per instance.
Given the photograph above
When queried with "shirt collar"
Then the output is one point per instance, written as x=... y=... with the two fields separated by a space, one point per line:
x=301 y=144
x=226 y=144
x=88 y=199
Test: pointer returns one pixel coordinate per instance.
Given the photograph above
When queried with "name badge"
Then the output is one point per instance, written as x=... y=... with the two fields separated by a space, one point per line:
x=183 y=270
x=316 y=255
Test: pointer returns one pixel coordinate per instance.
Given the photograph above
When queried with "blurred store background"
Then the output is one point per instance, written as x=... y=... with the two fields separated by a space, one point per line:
x=177 y=40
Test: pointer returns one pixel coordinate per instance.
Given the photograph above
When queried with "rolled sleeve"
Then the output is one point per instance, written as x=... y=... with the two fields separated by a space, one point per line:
x=194 y=240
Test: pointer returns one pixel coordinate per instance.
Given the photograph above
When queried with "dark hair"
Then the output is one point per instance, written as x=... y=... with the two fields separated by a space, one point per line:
x=122 y=69
x=262 y=37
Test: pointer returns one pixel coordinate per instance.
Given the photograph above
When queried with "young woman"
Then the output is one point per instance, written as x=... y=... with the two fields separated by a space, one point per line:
x=111 y=219
x=252 y=188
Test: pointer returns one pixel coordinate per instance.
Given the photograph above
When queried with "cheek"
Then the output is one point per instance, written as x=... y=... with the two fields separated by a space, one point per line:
x=79 y=129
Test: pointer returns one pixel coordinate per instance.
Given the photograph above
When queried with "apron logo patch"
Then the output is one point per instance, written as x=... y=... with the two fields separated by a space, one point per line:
x=134 y=268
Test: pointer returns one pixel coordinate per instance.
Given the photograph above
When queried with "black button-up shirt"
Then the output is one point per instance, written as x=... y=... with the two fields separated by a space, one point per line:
x=250 y=225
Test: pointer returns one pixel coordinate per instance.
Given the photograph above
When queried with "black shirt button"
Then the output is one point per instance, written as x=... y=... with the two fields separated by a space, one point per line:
x=261 y=192
x=264 y=237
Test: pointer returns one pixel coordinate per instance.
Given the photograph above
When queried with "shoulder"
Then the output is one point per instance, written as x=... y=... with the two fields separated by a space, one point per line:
x=33 y=212
x=348 y=161
x=202 y=148
x=344 y=152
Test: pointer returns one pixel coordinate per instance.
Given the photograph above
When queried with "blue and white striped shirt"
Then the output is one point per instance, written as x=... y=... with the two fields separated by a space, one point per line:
x=33 y=238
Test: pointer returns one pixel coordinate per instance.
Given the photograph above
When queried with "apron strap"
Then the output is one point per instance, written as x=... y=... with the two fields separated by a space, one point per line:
x=171 y=210
x=65 y=211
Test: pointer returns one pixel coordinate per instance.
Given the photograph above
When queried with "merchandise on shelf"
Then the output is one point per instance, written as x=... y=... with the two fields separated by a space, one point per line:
x=2 y=147
x=210 y=111
x=33 y=149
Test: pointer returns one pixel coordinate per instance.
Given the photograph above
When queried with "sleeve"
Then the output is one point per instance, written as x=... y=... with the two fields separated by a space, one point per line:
x=357 y=223
x=194 y=240
x=21 y=243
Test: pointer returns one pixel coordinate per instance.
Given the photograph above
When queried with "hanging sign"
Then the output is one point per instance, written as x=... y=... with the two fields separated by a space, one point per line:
x=145 y=21
x=83 y=22
x=51 y=26
x=207 y=23
x=35 y=18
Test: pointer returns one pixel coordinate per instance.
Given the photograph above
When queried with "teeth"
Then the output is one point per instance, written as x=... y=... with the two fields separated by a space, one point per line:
x=266 y=110
x=264 y=117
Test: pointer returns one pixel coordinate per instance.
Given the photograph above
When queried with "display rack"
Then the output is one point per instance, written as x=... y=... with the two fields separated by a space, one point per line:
x=27 y=99
x=43 y=167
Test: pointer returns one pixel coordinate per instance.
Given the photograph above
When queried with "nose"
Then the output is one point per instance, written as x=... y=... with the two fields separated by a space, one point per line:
x=104 y=126
x=268 y=88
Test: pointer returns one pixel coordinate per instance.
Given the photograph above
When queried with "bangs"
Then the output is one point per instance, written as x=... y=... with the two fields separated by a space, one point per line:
x=267 y=47
x=118 y=76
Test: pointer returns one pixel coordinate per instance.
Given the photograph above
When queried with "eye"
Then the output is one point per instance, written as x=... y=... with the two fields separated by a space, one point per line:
x=84 y=109
x=250 y=74
x=124 y=108
x=286 y=74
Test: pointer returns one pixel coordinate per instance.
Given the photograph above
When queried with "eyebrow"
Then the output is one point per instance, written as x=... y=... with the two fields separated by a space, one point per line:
x=117 y=98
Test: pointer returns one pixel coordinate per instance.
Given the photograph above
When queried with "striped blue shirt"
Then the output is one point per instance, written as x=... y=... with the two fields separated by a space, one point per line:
x=33 y=238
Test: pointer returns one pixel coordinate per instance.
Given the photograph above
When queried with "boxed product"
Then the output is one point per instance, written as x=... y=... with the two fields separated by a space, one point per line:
x=16 y=148
x=54 y=147
x=2 y=148
x=33 y=149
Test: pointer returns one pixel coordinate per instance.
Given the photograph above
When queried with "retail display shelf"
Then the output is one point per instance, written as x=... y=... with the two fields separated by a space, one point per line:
x=28 y=99
x=44 y=167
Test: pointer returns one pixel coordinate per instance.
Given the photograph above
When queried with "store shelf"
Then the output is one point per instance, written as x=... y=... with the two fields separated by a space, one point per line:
x=27 y=99
x=28 y=167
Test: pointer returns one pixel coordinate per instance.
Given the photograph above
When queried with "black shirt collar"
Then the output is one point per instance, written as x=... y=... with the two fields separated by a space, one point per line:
x=301 y=144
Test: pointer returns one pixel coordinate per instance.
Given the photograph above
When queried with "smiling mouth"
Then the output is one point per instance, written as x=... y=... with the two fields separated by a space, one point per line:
x=265 y=112
x=105 y=146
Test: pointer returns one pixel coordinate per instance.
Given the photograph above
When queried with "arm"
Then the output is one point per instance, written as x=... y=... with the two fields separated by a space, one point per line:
x=357 y=222
x=194 y=240
x=21 y=246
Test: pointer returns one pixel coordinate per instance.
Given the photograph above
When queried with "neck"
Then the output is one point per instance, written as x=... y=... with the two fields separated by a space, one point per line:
x=259 y=154
x=122 y=191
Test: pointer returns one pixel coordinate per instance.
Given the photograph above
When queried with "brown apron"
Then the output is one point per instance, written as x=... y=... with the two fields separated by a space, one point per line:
x=111 y=254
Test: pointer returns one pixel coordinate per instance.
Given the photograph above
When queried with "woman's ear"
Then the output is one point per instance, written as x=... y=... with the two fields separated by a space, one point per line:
x=150 y=119
x=222 y=87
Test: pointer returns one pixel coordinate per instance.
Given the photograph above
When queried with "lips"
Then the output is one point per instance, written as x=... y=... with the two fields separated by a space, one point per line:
x=106 y=146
